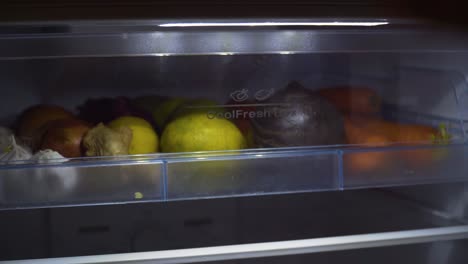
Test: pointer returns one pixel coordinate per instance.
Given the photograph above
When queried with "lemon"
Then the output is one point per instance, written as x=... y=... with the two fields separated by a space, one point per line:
x=195 y=105
x=144 y=139
x=163 y=111
x=196 y=132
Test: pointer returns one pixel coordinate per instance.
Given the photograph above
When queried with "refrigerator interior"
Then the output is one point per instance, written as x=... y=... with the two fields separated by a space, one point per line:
x=165 y=201
x=437 y=252
x=426 y=88
x=97 y=230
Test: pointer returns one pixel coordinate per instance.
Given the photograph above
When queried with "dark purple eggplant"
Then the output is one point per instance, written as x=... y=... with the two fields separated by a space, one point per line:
x=296 y=116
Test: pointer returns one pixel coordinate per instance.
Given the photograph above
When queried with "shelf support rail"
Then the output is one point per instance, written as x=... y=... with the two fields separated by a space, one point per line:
x=268 y=249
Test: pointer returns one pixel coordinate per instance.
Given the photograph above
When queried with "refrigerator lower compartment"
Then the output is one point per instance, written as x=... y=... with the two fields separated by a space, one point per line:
x=446 y=250
x=442 y=252
x=344 y=219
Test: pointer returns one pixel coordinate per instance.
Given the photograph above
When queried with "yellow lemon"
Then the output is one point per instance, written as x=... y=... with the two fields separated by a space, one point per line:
x=195 y=105
x=197 y=132
x=144 y=140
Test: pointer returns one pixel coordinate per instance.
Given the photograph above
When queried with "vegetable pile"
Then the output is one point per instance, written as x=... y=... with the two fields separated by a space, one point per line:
x=291 y=116
x=361 y=108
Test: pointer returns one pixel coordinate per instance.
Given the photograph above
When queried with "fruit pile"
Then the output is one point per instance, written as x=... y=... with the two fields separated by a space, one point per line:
x=119 y=126
x=292 y=116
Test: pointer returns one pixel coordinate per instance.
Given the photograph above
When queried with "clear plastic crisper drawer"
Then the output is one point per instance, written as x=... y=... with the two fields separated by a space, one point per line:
x=253 y=174
x=404 y=166
x=229 y=110
x=74 y=184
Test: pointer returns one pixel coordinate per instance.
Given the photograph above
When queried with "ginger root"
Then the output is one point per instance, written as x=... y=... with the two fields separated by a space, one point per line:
x=105 y=141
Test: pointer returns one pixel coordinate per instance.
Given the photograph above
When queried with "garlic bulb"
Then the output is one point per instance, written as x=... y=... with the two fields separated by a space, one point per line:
x=48 y=155
x=15 y=152
x=5 y=139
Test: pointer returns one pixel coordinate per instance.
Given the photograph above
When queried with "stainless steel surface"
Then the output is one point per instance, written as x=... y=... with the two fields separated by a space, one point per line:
x=282 y=248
